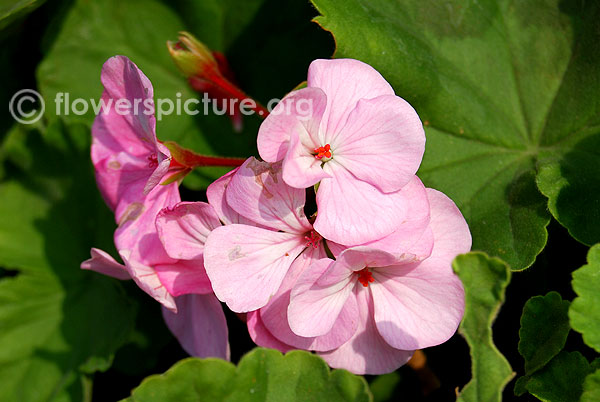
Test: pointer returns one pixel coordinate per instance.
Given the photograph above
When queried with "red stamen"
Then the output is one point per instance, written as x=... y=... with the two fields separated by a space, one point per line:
x=313 y=239
x=323 y=152
x=364 y=277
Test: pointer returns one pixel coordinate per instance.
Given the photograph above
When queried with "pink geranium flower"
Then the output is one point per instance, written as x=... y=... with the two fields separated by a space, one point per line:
x=247 y=261
x=398 y=304
x=359 y=140
x=413 y=239
x=129 y=162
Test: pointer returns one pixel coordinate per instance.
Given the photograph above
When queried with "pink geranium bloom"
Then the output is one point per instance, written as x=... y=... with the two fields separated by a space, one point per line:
x=247 y=261
x=129 y=162
x=350 y=132
x=269 y=326
x=399 y=304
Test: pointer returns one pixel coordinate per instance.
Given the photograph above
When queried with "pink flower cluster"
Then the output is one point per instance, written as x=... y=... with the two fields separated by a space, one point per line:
x=364 y=281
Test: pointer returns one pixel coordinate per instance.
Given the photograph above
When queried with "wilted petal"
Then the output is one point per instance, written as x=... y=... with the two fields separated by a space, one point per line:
x=246 y=264
x=199 y=326
x=183 y=229
x=103 y=263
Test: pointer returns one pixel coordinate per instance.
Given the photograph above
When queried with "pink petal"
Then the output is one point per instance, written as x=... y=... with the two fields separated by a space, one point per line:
x=413 y=235
x=354 y=212
x=120 y=160
x=138 y=244
x=258 y=193
x=357 y=258
x=199 y=326
x=274 y=316
x=146 y=278
x=102 y=262
x=184 y=228
x=382 y=142
x=419 y=308
x=157 y=175
x=122 y=79
x=366 y=352
x=300 y=167
x=299 y=112
x=246 y=264
x=217 y=199
x=261 y=335
x=450 y=230
x=137 y=227
x=345 y=82
x=184 y=277
x=420 y=305
x=315 y=307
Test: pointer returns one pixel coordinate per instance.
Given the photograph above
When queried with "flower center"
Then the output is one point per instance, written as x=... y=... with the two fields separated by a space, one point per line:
x=152 y=161
x=364 y=277
x=312 y=239
x=323 y=152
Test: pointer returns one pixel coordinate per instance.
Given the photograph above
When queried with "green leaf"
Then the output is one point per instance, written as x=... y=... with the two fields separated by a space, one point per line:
x=13 y=10
x=54 y=329
x=561 y=380
x=591 y=388
x=485 y=280
x=584 y=312
x=544 y=330
x=501 y=87
x=382 y=387
x=573 y=189
x=262 y=375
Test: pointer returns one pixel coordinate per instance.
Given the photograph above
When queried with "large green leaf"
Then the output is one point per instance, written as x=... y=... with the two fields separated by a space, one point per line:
x=485 y=280
x=262 y=375
x=561 y=380
x=500 y=86
x=57 y=323
x=544 y=330
x=584 y=312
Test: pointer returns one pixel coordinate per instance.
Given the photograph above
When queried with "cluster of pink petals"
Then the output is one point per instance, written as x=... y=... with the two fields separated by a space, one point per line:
x=363 y=282
x=269 y=265
x=370 y=280
x=129 y=163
